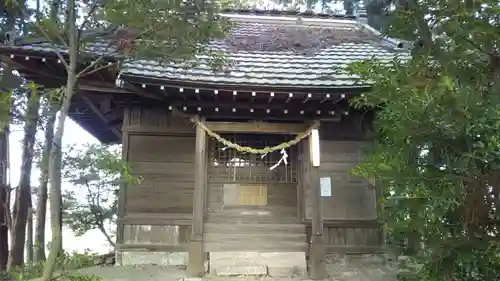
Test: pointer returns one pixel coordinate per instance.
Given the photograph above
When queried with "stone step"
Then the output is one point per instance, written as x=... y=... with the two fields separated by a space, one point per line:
x=278 y=264
x=256 y=237
x=255 y=246
x=251 y=228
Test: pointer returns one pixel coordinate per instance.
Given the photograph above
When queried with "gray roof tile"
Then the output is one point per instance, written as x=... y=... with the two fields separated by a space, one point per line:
x=277 y=68
x=255 y=65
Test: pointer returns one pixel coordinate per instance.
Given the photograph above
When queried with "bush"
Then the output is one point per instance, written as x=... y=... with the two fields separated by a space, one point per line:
x=67 y=264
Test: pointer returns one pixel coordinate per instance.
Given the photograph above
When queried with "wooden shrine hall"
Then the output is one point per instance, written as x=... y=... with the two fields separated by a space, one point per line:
x=245 y=171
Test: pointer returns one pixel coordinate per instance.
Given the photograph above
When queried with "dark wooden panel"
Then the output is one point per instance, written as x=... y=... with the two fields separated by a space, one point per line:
x=157 y=122
x=352 y=197
x=161 y=148
x=169 y=171
x=355 y=126
x=158 y=207
x=167 y=191
x=341 y=151
x=351 y=236
x=171 y=197
x=149 y=188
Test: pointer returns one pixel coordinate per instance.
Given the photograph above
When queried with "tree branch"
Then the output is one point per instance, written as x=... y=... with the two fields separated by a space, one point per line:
x=423 y=28
x=47 y=37
x=479 y=48
x=86 y=71
x=86 y=19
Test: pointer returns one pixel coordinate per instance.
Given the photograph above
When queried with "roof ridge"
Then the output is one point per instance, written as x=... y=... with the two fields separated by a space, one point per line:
x=397 y=44
x=275 y=12
x=298 y=18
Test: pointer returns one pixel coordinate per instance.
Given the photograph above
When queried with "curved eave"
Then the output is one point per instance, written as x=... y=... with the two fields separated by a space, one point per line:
x=304 y=88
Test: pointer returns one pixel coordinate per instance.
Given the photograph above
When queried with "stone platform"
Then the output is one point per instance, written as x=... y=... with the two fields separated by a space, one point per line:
x=254 y=263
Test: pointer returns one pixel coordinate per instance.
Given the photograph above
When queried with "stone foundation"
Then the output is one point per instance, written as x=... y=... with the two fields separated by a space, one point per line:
x=254 y=263
x=149 y=258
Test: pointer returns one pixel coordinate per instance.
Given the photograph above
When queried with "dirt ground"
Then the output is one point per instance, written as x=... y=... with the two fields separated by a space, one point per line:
x=339 y=267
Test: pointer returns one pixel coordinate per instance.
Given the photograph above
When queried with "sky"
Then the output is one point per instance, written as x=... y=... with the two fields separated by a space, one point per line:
x=73 y=136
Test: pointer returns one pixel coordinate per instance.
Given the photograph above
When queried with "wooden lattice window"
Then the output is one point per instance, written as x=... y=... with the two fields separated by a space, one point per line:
x=231 y=165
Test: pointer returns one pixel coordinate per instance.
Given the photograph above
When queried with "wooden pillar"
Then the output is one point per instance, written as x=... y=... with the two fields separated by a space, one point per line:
x=196 y=265
x=122 y=193
x=317 y=252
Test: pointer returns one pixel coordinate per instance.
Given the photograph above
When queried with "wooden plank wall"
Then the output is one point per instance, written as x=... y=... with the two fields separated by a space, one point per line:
x=350 y=214
x=156 y=214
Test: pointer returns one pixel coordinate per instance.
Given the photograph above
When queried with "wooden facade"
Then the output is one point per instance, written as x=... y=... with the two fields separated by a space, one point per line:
x=199 y=200
x=273 y=210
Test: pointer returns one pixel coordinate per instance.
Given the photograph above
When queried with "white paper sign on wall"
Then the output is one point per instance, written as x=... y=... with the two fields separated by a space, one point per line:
x=325 y=186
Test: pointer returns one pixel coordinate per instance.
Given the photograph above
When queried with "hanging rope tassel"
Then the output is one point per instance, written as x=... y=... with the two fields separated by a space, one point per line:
x=284 y=157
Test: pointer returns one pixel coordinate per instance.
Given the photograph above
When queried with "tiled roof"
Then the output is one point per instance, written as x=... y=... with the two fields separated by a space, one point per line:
x=285 y=66
x=288 y=68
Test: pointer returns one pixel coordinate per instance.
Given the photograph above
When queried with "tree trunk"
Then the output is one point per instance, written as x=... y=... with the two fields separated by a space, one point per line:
x=5 y=219
x=106 y=235
x=41 y=206
x=23 y=192
x=29 y=234
x=55 y=155
x=55 y=175
x=4 y=207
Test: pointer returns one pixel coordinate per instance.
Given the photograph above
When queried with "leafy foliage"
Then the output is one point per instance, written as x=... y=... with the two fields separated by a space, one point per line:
x=96 y=172
x=437 y=150
x=67 y=263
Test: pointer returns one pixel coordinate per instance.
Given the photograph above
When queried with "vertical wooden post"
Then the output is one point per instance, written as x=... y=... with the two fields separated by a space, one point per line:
x=196 y=265
x=317 y=252
x=122 y=193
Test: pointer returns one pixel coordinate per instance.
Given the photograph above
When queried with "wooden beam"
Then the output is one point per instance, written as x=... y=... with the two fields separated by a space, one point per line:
x=150 y=248
x=196 y=264
x=142 y=92
x=247 y=105
x=348 y=223
x=269 y=117
x=101 y=87
x=122 y=192
x=282 y=89
x=156 y=219
x=257 y=127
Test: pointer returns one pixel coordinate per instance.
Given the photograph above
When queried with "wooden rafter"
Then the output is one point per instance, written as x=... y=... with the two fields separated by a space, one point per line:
x=99 y=114
x=23 y=67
